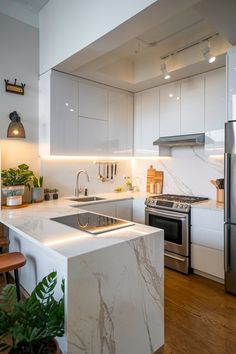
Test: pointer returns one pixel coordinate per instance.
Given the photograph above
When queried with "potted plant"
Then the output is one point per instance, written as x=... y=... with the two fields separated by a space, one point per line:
x=14 y=181
x=37 y=190
x=46 y=194
x=30 y=326
x=55 y=193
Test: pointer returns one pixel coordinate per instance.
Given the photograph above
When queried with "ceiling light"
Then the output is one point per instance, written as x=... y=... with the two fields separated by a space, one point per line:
x=15 y=128
x=208 y=55
x=164 y=71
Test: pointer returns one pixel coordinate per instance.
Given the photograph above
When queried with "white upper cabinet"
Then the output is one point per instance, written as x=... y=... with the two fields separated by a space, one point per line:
x=192 y=105
x=78 y=117
x=92 y=137
x=64 y=114
x=146 y=121
x=215 y=99
x=93 y=100
x=170 y=109
x=120 y=123
x=58 y=114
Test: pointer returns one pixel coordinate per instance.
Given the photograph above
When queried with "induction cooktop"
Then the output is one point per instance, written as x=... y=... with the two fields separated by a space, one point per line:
x=92 y=223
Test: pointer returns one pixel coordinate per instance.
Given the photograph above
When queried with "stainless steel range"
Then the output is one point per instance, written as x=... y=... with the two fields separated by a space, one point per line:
x=171 y=213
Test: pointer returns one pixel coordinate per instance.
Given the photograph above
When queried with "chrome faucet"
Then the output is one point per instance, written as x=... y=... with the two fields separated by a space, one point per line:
x=79 y=189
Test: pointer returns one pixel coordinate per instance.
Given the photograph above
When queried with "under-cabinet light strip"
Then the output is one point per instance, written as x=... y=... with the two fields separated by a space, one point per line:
x=102 y=158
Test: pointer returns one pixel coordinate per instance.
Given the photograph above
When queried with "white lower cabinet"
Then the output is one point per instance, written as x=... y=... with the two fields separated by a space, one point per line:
x=207 y=237
x=124 y=209
x=139 y=210
x=208 y=260
x=118 y=209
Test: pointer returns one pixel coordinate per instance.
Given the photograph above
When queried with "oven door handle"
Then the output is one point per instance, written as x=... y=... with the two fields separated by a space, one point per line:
x=178 y=216
x=178 y=258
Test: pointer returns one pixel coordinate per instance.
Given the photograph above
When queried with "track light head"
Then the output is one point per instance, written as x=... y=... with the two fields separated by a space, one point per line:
x=208 y=55
x=164 y=71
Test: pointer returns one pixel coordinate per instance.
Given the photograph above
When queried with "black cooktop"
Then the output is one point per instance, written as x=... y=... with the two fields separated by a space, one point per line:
x=92 y=223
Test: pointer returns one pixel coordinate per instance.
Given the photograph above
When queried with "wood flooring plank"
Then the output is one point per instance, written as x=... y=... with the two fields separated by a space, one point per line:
x=200 y=318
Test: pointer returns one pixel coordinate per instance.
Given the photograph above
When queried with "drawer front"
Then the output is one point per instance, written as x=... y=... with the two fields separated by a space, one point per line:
x=208 y=237
x=208 y=260
x=205 y=218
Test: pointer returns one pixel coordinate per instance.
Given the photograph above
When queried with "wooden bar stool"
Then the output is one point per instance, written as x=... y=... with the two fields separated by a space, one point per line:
x=12 y=261
x=4 y=242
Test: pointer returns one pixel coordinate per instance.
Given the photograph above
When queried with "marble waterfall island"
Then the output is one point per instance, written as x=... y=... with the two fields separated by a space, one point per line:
x=113 y=281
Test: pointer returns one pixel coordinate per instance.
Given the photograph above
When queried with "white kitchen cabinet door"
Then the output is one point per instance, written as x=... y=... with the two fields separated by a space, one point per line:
x=146 y=122
x=92 y=137
x=170 y=109
x=139 y=210
x=64 y=114
x=231 y=83
x=120 y=123
x=108 y=208
x=207 y=260
x=192 y=105
x=124 y=209
x=215 y=99
x=93 y=100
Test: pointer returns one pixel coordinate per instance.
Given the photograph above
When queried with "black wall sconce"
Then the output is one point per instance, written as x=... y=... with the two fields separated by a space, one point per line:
x=15 y=128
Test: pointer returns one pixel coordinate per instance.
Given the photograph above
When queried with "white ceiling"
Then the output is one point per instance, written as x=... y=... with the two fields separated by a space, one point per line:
x=35 y=5
x=135 y=65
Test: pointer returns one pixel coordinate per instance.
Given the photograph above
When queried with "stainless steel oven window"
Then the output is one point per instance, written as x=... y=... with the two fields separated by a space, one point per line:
x=175 y=226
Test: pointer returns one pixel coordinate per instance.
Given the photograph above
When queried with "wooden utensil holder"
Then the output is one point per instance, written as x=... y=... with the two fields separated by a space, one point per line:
x=220 y=195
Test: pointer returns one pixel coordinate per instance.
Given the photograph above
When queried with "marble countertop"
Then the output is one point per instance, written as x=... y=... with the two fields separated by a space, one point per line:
x=34 y=222
x=209 y=204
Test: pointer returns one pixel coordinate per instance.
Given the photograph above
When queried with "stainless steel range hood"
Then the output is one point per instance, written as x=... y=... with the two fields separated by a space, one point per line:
x=181 y=140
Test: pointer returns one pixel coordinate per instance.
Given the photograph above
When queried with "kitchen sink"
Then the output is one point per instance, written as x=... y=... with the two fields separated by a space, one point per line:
x=86 y=199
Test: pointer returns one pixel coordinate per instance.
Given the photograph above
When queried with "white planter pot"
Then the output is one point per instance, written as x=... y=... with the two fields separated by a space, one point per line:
x=13 y=194
x=14 y=201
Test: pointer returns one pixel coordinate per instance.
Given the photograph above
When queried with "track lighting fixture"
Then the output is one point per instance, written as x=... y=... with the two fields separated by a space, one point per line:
x=207 y=54
x=164 y=71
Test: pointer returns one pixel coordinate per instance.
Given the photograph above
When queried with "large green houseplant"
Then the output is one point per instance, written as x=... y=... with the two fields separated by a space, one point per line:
x=30 y=326
x=14 y=181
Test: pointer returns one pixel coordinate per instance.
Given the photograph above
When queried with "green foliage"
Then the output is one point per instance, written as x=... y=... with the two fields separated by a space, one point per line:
x=33 y=323
x=21 y=175
x=38 y=182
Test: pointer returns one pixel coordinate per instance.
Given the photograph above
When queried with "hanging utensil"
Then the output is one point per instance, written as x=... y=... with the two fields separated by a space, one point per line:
x=108 y=171
x=112 y=171
x=99 y=172
x=104 y=173
x=115 y=169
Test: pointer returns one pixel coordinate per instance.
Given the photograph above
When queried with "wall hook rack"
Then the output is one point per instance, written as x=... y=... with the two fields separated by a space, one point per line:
x=14 y=88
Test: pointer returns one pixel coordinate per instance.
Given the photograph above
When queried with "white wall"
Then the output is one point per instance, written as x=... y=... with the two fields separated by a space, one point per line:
x=188 y=171
x=66 y=27
x=19 y=59
x=61 y=174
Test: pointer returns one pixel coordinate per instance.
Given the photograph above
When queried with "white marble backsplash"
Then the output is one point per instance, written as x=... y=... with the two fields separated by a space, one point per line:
x=61 y=174
x=188 y=171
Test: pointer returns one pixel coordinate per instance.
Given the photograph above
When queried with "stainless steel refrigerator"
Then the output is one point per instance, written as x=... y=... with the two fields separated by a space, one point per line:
x=230 y=207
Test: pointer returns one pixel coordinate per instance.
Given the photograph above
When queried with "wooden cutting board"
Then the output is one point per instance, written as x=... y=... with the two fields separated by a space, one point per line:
x=155 y=177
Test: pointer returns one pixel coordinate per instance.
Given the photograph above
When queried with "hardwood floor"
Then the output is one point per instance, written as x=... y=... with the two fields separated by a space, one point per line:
x=200 y=318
